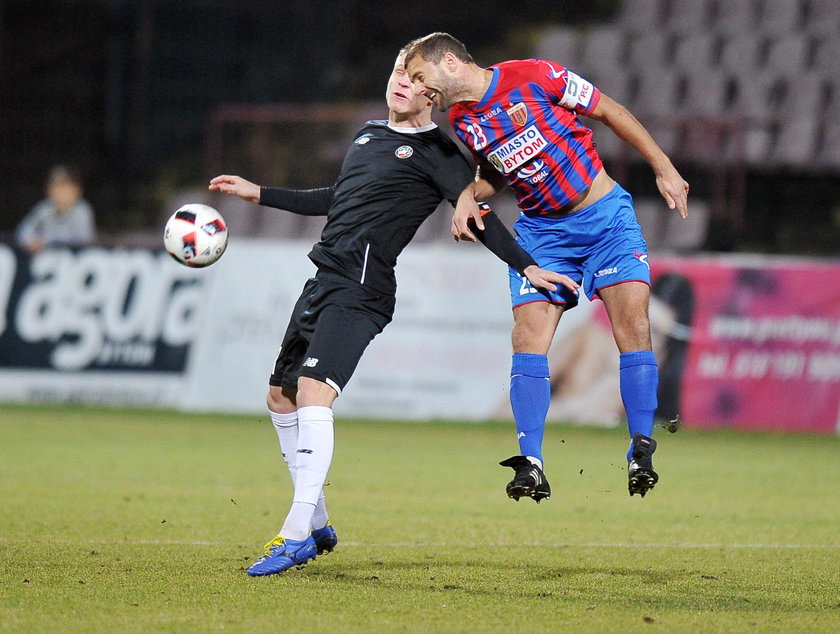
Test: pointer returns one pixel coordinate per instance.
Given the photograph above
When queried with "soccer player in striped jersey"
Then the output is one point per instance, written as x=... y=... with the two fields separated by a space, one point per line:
x=521 y=121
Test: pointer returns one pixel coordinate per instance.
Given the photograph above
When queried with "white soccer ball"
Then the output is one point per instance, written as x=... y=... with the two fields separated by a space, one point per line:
x=196 y=235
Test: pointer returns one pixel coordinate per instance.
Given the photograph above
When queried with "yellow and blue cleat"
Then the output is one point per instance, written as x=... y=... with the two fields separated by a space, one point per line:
x=282 y=554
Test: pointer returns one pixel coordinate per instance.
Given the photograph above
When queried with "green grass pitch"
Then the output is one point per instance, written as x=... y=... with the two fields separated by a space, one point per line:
x=124 y=521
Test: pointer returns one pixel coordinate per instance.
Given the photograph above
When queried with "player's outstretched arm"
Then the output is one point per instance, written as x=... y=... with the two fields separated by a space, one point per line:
x=496 y=237
x=671 y=185
x=237 y=186
x=305 y=202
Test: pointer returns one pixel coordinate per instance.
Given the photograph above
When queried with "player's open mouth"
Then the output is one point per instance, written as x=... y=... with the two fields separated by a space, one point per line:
x=431 y=96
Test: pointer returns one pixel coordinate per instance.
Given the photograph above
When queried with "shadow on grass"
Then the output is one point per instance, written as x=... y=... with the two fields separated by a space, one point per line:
x=672 y=589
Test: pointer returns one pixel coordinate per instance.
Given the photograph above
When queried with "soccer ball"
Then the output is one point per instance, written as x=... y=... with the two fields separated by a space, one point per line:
x=196 y=235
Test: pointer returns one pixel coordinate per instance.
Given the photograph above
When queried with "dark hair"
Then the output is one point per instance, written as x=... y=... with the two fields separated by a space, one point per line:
x=64 y=174
x=434 y=46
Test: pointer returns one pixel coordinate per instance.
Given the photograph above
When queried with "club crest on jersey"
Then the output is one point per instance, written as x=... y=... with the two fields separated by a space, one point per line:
x=518 y=114
x=519 y=150
x=404 y=151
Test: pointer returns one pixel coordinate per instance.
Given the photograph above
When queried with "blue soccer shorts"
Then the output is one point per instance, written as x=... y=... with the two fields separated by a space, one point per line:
x=600 y=245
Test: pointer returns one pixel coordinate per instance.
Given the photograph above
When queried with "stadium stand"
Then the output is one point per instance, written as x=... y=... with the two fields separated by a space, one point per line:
x=704 y=92
x=640 y=16
x=734 y=18
x=696 y=50
x=720 y=81
x=821 y=18
x=747 y=86
x=688 y=17
x=788 y=52
x=828 y=153
x=649 y=50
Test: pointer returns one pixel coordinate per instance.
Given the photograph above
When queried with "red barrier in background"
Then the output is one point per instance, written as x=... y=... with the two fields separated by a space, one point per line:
x=751 y=343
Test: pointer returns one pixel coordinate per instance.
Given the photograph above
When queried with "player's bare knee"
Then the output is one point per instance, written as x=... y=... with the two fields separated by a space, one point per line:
x=281 y=400
x=633 y=334
x=315 y=392
x=529 y=339
x=534 y=326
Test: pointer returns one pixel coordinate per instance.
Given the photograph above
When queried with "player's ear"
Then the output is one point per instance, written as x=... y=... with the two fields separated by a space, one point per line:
x=450 y=62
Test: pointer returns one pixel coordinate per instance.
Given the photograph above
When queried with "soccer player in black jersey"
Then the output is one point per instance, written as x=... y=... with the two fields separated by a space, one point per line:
x=393 y=177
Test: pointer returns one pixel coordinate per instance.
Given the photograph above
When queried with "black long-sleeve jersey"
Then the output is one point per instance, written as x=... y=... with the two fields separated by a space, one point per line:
x=391 y=180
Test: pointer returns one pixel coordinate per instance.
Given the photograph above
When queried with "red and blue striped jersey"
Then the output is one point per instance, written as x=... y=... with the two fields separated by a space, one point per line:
x=526 y=126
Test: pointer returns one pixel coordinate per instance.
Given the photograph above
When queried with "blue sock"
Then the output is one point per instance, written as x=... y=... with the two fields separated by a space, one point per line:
x=639 y=379
x=530 y=394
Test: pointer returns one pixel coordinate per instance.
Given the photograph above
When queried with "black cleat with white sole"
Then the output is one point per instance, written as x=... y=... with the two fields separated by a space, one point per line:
x=529 y=481
x=641 y=477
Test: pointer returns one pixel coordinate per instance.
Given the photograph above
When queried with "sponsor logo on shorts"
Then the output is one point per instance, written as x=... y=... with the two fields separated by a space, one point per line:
x=404 y=151
x=519 y=150
x=609 y=271
x=310 y=362
x=641 y=257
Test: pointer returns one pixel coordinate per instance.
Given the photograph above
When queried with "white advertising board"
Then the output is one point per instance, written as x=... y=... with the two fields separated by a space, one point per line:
x=132 y=327
x=445 y=354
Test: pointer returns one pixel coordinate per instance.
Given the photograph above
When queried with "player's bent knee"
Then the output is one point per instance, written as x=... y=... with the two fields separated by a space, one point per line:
x=281 y=400
x=534 y=326
x=633 y=335
x=315 y=392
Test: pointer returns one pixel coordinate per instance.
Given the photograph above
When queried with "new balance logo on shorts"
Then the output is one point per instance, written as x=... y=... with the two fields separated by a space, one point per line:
x=310 y=362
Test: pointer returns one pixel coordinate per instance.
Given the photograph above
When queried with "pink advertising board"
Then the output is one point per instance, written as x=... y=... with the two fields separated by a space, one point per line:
x=750 y=342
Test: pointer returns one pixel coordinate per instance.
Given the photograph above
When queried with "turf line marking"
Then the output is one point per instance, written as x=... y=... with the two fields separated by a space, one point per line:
x=686 y=546
x=595 y=545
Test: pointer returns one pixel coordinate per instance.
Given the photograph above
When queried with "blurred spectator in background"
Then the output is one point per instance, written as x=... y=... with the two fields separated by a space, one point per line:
x=62 y=218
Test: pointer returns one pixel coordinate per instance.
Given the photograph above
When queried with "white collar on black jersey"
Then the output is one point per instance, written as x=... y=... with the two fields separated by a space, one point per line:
x=422 y=128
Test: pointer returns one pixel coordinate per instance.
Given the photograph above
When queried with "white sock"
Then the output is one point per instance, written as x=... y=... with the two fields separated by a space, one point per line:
x=298 y=521
x=286 y=426
x=320 y=517
x=314 y=455
x=535 y=461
